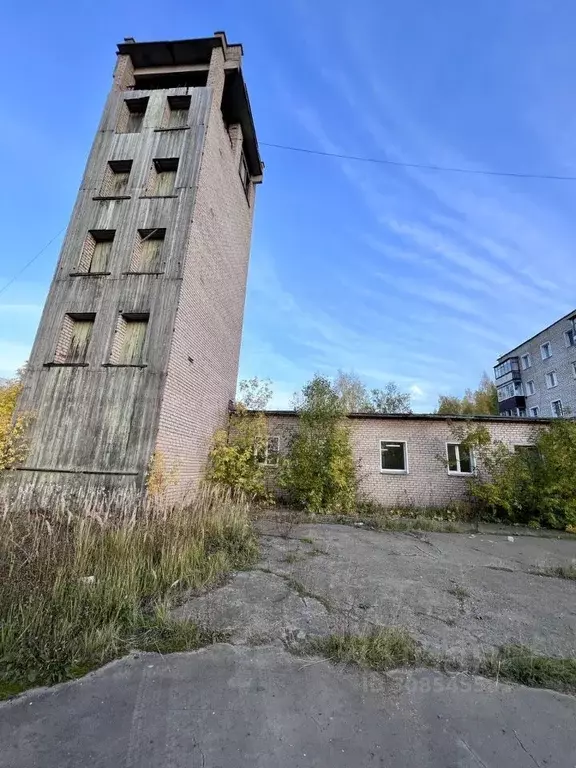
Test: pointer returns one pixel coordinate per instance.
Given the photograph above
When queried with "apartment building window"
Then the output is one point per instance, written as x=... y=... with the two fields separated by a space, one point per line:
x=393 y=457
x=534 y=412
x=74 y=338
x=147 y=256
x=162 y=179
x=269 y=454
x=129 y=338
x=96 y=250
x=131 y=116
x=526 y=362
x=574 y=369
x=177 y=111
x=530 y=388
x=557 y=409
x=546 y=350
x=512 y=389
x=244 y=173
x=569 y=337
x=460 y=459
x=116 y=178
x=551 y=380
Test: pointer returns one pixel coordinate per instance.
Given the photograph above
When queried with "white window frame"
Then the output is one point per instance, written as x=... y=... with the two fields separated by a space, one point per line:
x=574 y=369
x=388 y=441
x=459 y=471
x=528 y=359
x=555 y=415
x=567 y=337
x=532 y=414
x=530 y=388
x=266 y=449
x=551 y=376
x=548 y=345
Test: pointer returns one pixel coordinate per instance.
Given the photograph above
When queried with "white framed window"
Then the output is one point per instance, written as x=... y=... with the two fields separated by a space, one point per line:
x=269 y=454
x=551 y=380
x=574 y=369
x=393 y=456
x=570 y=338
x=526 y=362
x=557 y=409
x=530 y=388
x=460 y=459
x=545 y=350
x=534 y=412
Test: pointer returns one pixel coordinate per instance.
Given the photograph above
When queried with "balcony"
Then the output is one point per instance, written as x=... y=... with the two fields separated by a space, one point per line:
x=510 y=369
x=511 y=403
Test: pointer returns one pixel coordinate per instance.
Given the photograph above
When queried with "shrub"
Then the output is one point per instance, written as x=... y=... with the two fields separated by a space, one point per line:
x=12 y=430
x=84 y=579
x=319 y=471
x=534 y=486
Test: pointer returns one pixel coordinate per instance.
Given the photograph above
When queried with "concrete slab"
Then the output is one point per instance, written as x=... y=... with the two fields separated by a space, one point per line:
x=243 y=707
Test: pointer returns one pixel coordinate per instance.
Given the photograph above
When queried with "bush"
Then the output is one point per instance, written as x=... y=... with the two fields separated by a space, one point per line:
x=85 y=579
x=533 y=486
x=12 y=430
x=319 y=472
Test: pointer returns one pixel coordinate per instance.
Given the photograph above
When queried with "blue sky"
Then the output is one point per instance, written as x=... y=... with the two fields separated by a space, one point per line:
x=404 y=274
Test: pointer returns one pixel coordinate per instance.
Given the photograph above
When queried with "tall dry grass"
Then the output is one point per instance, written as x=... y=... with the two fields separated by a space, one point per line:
x=86 y=577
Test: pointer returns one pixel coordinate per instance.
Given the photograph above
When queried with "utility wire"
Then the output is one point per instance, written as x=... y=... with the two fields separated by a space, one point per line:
x=29 y=263
x=421 y=166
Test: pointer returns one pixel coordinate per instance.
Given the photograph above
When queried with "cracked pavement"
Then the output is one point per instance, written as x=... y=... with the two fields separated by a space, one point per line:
x=251 y=703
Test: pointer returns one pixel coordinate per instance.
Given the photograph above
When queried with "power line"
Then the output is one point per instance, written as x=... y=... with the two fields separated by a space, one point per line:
x=29 y=263
x=421 y=166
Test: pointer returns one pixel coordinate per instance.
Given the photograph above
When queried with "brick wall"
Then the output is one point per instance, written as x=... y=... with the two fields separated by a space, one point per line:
x=427 y=482
x=205 y=347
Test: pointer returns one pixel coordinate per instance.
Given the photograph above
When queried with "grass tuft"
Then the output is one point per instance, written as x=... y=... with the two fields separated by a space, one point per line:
x=559 y=572
x=380 y=650
x=83 y=582
x=518 y=664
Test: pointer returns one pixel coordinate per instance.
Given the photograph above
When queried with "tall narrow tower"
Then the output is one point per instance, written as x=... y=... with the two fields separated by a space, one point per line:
x=138 y=346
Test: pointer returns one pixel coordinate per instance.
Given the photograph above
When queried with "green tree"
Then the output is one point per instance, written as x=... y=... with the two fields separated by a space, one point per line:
x=356 y=398
x=319 y=471
x=234 y=455
x=478 y=402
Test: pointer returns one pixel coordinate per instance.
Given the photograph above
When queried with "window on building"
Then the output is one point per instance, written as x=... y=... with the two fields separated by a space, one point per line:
x=557 y=409
x=530 y=388
x=460 y=459
x=569 y=337
x=512 y=389
x=393 y=456
x=534 y=412
x=162 y=179
x=546 y=350
x=96 y=250
x=177 y=109
x=164 y=80
x=131 y=116
x=74 y=338
x=269 y=454
x=522 y=413
x=528 y=450
x=147 y=256
x=129 y=338
x=526 y=362
x=116 y=178
x=551 y=380
x=574 y=369
x=244 y=173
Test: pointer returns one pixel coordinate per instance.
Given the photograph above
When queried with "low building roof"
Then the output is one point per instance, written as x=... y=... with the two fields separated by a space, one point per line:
x=426 y=417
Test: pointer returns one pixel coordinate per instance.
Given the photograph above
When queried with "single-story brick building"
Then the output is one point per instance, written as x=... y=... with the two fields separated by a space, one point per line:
x=410 y=459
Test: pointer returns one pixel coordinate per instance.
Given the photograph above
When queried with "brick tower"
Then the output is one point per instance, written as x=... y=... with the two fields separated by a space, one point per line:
x=137 y=350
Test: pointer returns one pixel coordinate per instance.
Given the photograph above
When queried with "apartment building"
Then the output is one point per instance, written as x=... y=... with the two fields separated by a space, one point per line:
x=538 y=377
x=138 y=346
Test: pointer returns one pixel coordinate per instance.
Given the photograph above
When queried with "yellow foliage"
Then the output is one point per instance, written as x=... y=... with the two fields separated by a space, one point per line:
x=13 y=445
x=159 y=477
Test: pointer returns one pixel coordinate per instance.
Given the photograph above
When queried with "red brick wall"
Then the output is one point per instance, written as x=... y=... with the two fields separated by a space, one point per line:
x=208 y=325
